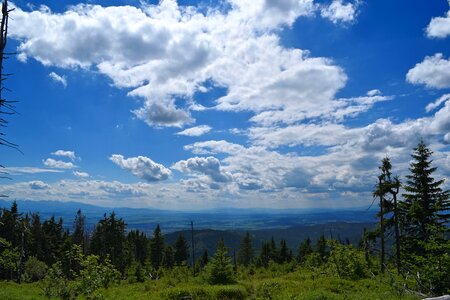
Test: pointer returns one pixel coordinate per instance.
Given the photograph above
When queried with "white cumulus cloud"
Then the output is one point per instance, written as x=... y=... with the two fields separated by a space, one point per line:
x=38 y=185
x=337 y=11
x=165 y=54
x=142 y=167
x=195 y=131
x=209 y=166
x=439 y=27
x=58 y=164
x=433 y=71
x=63 y=153
x=81 y=174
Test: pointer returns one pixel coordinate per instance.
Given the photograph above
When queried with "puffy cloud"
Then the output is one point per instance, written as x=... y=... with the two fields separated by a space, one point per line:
x=433 y=71
x=38 y=185
x=165 y=53
x=58 y=78
x=439 y=27
x=58 y=164
x=63 y=153
x=432 y=106
x=441 y=121
x=195 y=131
x=142 y=167
x=337 y=11
x=374 y=92
x=209 y=166
x=81 y=174
x=158 y=114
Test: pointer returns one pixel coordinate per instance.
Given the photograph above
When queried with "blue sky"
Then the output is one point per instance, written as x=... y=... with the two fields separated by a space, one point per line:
x=200 y=104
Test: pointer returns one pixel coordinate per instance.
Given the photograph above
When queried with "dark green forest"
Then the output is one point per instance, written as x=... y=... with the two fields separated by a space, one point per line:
x=409 y=248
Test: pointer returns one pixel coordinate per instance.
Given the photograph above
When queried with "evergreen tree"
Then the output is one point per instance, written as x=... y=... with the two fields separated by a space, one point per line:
x=169 y=257
x=181 y=250
x=389 y=213
x=54 y=238
x=204 y=259
x=220 y=269
x=139 y=245
x=157 y=248
x=109 y=240
x=264 y=255
x=78 y=232
x=10 y=225
x=246 y=253
x=322 y=248
x=273 y=250
x=304 y=250
x=37 y=238
x=381 y=192
x=285 y=254
x=425 y=209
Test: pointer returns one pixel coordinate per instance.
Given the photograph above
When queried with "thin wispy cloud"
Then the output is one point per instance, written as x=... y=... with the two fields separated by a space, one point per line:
x=195 y=131
x=58 y=78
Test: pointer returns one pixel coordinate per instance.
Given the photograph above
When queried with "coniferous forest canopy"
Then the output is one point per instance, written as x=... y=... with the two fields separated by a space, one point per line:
x=268 y=107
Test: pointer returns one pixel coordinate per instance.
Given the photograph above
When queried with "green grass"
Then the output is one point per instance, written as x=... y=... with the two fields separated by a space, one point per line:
x=263 y=284
x=13 y=291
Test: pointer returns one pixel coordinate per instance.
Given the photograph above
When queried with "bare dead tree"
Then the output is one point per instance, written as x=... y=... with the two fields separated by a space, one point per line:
x=6 y=106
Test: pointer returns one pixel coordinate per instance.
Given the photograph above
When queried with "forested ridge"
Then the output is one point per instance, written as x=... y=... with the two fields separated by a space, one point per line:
x=408 y=254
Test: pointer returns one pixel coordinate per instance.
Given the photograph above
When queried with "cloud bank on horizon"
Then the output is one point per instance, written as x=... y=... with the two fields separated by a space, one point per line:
x=251 y=115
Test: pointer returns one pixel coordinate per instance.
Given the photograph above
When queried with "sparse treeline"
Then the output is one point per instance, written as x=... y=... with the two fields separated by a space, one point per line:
x=414 y=225
x=26 y=236
x=418 y=222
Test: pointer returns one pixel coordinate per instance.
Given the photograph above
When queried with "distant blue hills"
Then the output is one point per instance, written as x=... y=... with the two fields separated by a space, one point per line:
x=229 y=224
x=146 y=219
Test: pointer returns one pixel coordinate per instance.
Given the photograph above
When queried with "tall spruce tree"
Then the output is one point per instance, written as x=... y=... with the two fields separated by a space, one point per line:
x=109 y=239
x=304 y=250
x=322 y=248
x=157 y=248
x=168 y=257
x=181 y=250
x=220 y=269
x=425 y=207
x=139 y=245
x=285 y=254
x=78 y=232
x=386 y=190
x=246 y=253
x=204 y=259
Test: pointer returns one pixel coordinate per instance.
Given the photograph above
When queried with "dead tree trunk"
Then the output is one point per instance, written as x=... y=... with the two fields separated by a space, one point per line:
x=6 y=106
x=381 y=225
x=396 y=225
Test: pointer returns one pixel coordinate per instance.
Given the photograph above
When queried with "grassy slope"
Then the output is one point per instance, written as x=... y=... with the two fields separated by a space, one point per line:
x=262 y=285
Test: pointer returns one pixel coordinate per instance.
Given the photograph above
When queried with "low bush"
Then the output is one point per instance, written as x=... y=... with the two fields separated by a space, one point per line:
x=34 y=270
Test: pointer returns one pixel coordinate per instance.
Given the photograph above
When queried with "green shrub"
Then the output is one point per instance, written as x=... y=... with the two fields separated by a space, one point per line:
x=55 y=284
x=268 y=290
x=191 y=291
x=347 y=262
x=35 y=270
x=95 y=275
x=230 y=293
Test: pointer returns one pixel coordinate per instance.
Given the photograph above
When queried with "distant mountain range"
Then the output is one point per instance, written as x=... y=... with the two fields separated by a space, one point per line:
x=146 y=219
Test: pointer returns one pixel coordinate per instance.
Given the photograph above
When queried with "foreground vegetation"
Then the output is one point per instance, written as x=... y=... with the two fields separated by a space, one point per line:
x=275 y=282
